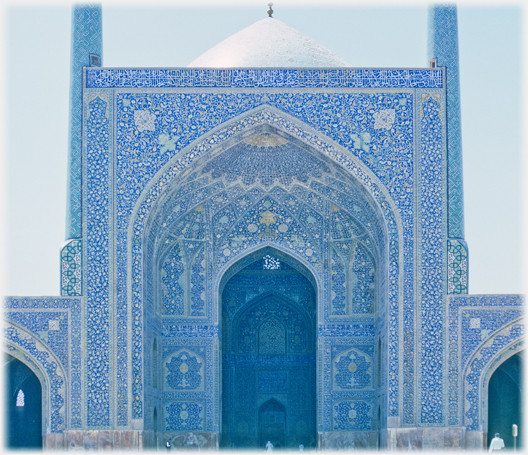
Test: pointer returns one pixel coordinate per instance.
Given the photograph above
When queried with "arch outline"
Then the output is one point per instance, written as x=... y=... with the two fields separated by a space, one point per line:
x=343 y=158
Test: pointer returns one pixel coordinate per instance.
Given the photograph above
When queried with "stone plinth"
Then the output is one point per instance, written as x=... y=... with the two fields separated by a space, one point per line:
x=190 y=440
x=347 y=440
x=427 y=439
x=98 y=440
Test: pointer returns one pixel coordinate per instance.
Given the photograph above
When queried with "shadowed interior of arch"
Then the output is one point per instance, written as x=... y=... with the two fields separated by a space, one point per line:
x=268 y=346
x=505 y=401
x=263 y=207
x=23 y=406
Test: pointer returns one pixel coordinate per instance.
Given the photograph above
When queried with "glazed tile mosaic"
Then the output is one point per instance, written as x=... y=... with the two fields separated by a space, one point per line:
x=264 y=254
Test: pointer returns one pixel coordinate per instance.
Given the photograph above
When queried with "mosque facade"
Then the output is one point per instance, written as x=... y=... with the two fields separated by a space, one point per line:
x=267 y=245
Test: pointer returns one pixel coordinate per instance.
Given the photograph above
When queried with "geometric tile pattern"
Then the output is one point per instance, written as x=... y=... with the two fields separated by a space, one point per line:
x=86 y=39
x=457 y=267
x=443 y=45
x=71 y=268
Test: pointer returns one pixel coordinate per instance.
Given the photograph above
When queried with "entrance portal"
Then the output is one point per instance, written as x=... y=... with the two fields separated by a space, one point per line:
x=272 y=424
x=505 y=399
x=268 y=388
x=23 y=413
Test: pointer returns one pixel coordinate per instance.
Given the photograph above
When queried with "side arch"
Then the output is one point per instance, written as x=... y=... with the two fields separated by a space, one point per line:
x=22 y=355
x=42 y=361
x=498 y=347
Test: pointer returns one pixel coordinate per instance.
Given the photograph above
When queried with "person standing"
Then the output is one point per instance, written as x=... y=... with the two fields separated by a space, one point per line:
x=497 y=443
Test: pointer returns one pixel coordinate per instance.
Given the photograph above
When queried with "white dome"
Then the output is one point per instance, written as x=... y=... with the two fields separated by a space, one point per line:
x=268 y=43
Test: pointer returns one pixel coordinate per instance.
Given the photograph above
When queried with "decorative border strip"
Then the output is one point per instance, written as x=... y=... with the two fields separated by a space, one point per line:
x=280 y=78
x=346 y=330
x=430 y=314
x=97 y=253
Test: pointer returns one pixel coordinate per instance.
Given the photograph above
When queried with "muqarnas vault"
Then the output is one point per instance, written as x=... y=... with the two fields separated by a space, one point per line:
x=267 y=245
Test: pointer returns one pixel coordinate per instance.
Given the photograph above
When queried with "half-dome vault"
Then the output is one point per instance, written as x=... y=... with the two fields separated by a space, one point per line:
x=262 y=195
x=263 y=188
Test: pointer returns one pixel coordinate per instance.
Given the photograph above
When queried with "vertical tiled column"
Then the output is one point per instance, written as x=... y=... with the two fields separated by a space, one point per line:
x=431 y=313
x=86 y=50
x=443 y=45
x=97 y=251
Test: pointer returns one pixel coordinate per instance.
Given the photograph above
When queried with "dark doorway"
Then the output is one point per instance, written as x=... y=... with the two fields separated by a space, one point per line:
x=505 y=398
x=23 y=413
x=272 y=424
x=268 y=364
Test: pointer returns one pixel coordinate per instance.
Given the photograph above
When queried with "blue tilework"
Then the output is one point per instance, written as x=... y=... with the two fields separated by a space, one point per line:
x=97 y=366
x=457 y=267
x=121 y=330
x=244 y=78
x=272 y=382
x=172 y=279
x=443 y=45
x=184 y=416
x=363 y=272
x=352 y=415
x=338 y=286
x=432 y=275
x=197 y=279
x=152 y=197
x=364 y=329
x=62 y=338
x=52 y=368
x=71 y=268
x=205 y=391
x=352 y=370
x=502 y=340
x=473 y=320
x=185 y=372
x=86 y=39
x=190 y=331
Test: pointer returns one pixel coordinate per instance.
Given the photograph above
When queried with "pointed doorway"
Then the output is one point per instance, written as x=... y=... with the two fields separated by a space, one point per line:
x=505 y=398
x=268 y=363
x=23 y=406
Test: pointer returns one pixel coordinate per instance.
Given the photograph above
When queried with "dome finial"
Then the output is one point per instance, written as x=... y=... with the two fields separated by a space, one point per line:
x=270 y=11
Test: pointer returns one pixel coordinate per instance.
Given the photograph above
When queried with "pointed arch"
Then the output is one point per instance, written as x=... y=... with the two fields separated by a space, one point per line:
x=147 y=214
x=491 y=353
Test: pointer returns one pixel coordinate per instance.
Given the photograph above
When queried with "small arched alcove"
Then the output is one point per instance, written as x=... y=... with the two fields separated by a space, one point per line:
x=268 y=346
x=23 y=406
x=272 y=424
x=505 y=401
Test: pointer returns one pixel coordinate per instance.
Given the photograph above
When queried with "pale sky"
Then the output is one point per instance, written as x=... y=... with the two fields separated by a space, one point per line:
x=36 y=91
